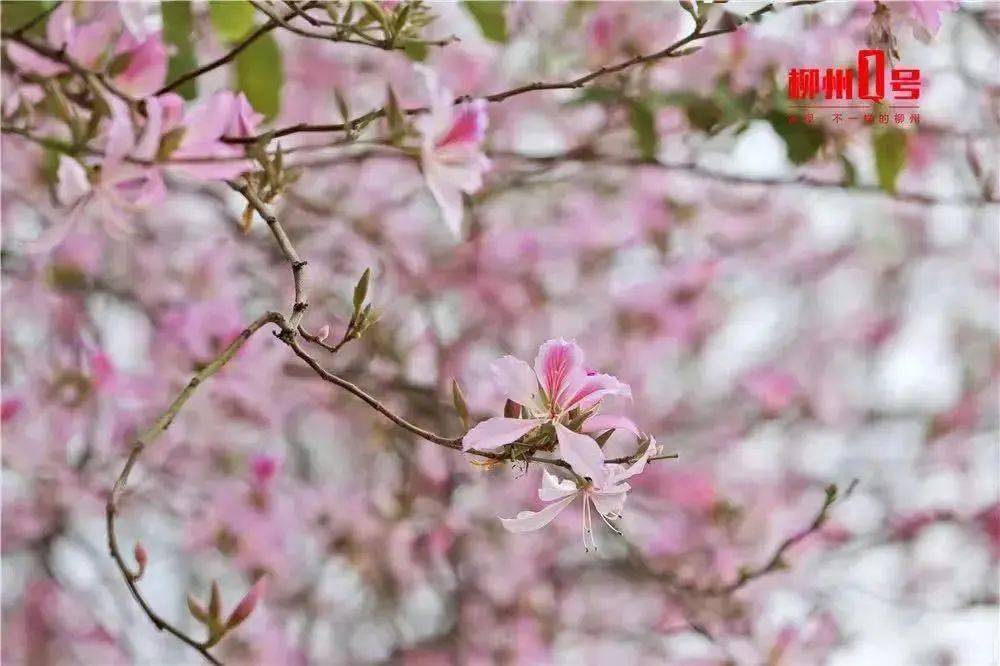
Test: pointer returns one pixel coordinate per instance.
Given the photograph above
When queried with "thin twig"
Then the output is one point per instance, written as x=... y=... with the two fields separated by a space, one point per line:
x=674 y=50
x=147 y=438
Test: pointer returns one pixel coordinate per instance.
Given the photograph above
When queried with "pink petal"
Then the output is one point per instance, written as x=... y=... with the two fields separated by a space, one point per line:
x=147 y=68
x=610 y=502
x=89 y=43
x=593 y=388
x=527 y=521
x=72 y=183
x=447 y=194
x=516 y=379
x=246 y=605
x=553 y=488
x=208 y=120
x=496 y=432
x=149 y=142
x=582 y=453
x=468 y=125
x=558 y=362
x=244 y=120
x=120 y=134
x=604 y=422
x=30 y=62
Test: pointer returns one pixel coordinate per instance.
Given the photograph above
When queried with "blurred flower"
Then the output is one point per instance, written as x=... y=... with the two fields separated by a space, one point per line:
x=451 y=154
x=558 y=384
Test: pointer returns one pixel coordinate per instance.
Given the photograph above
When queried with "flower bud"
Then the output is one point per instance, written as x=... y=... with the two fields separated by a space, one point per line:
x=141 y=558
x=215 y=602
x=324 y=333
x=197 y=610
x=246 y=605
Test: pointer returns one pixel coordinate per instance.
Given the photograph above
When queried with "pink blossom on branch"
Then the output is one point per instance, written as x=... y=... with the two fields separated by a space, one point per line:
x=602 y=485
x=547 y=393
x=451 y=154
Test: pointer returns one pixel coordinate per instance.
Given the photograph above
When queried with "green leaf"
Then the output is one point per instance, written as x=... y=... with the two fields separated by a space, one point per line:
x=890 y=156
x=232 y=19
x=643 y=123
x=13 y=15
x=490 y=16
x=702 y=112
x=177 y=27
x=417 y=51
x=260 y=75
x=850 y=172
x=802 y=141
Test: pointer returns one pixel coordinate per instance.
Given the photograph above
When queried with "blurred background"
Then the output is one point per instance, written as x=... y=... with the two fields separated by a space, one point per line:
x=790 y=309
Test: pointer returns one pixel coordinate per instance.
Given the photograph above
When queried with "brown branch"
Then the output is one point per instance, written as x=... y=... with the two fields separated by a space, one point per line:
x=59 y=55
x=227 y=57
x=287 y=249
x=144 y=440
x=673 y=51
x=586 y=155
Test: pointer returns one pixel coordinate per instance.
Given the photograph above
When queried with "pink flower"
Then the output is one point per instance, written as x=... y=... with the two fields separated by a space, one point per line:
x=244 y=119
x=928 y=14
x=451 y=154
x=775 y=390
x=558 y=384
x=201 y=152
x=603 y=486
x=89 y=42
x=146 y=71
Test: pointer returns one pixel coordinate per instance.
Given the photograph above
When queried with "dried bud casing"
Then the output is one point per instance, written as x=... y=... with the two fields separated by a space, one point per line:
x=511 y=409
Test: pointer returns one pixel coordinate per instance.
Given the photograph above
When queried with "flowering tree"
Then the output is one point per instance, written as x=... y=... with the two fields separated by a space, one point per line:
x=270 y=270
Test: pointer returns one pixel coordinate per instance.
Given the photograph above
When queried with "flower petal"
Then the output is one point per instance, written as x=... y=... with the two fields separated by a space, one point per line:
x=603 y=422
x=593 y=388
x=147 y=68
x=557 y=363
x=554 y=488
x=496 y=432
x=582 y=453
x=517 y=380
x=447 y=193
x=468 y=125
x=527 y=521
x=610 y=503
x=72 y=182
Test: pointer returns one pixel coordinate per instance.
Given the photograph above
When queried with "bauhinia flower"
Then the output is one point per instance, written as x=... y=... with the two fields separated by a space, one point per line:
x=559 y=390
x=602 y=485
x=451 y=154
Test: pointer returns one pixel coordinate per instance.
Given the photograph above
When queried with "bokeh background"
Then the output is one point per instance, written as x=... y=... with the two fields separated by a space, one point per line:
x=784 y=324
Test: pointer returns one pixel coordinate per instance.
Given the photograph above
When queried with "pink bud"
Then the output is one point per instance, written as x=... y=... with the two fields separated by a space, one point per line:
x=246 y=605
x=141 y=557
x=324 y=333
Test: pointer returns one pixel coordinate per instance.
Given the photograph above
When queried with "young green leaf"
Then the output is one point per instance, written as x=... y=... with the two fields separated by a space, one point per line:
x=644 y=125
x=491 y=17
x=177 y=29
x=361 y=289
x=260 y=75
x=890 y=156
x=232 y=19
x=802 y=141
x=458 y=399
x=18 y=14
